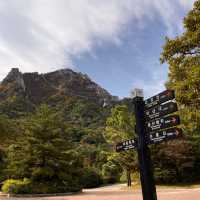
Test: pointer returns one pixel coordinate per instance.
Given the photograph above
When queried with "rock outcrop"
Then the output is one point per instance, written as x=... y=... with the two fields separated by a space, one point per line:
x=15 y=77
x=51 y=88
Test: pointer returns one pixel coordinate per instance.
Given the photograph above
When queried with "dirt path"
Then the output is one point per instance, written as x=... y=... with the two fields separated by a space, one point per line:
x=118 y=192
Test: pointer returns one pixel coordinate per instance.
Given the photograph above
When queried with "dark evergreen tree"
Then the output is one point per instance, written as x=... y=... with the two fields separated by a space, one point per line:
x=44 y=155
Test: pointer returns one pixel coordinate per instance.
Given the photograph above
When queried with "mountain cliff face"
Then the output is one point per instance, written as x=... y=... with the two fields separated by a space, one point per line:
x=25 y=91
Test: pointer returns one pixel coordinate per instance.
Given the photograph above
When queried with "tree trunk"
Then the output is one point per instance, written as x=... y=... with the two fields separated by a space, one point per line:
x=128 y=178
x=178 y=175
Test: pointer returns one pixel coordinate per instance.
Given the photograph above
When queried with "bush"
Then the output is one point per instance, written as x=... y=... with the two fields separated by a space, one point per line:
x=91 y=178
x=111 y=172
x=2 y=166
x=52 y=187
x=165 y=176
x=25 y=186
x=12 y=186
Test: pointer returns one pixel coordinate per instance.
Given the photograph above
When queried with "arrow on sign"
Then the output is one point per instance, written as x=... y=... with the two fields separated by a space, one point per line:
x=159 y=98
x=164 y=135
x=126 y=145
x=162 y=123
x=161 y=110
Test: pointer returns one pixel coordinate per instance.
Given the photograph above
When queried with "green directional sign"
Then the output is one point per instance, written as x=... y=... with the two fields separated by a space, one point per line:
x=159 y=98
x=161 y=110
x=162 y=123
x=164 y=135
x=126 y=145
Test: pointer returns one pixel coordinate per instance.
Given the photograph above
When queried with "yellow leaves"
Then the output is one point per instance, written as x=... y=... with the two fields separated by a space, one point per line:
x=183 y=56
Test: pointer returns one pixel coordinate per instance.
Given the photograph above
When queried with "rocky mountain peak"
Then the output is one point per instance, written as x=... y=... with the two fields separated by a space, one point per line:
x=12 y=75
x=60 y=84
x=15 y=76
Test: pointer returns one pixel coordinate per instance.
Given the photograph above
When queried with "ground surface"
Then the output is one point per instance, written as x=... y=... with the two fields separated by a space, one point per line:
x=118 y=192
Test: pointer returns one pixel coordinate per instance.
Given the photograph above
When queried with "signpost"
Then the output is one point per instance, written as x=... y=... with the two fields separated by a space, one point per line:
x=152 y=127
x=144 y=158
x=164 y=135
x=161 y=110
x=159 y=98
x=126 y=145
x=162 y=123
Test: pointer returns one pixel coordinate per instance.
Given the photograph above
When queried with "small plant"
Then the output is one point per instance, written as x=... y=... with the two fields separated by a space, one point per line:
x=12 y=186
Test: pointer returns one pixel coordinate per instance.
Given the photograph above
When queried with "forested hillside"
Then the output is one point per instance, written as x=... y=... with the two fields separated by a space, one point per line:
x=50 y=123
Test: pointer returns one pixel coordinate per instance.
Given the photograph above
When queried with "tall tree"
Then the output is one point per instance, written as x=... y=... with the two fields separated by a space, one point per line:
x=121 y=126
x=44 y=154
x=9 y=130
x=183 y=56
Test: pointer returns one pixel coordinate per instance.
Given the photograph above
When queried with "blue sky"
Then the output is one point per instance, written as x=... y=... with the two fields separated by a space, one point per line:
x=117 y=43
x=133 y=63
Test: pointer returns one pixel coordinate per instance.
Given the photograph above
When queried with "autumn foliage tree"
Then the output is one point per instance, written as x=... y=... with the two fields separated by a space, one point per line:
x=183 y=57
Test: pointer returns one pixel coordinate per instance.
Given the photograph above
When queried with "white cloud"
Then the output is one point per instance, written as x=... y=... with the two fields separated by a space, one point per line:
x=155 y=85
x=42 y=35
x=186 y=3
x=151 y=88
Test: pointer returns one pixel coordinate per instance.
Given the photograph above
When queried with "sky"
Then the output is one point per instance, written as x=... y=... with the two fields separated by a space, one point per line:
x=117 y=43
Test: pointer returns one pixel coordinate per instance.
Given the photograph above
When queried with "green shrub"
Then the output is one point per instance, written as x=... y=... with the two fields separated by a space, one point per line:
x=55 y=187
x=165 y=176
x=111 y=172
x=91 y=178
x=25 y=186
x=13 y=186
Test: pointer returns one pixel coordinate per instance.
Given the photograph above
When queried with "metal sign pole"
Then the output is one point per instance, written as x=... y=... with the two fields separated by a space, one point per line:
x=146 y=172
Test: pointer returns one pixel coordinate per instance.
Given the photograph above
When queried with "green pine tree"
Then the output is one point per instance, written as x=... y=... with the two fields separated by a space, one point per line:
x=44 y=155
